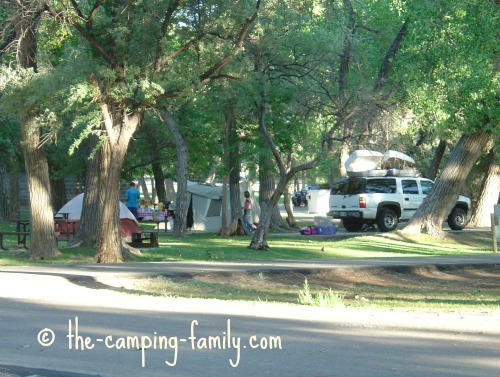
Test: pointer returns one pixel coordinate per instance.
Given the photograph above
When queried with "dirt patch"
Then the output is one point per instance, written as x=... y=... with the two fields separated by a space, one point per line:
x=431 y=286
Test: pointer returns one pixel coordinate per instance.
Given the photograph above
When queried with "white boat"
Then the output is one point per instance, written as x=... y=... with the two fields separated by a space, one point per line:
x=363 y=160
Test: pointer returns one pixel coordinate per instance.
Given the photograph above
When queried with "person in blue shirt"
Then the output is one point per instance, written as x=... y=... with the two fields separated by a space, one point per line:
x=132 y=195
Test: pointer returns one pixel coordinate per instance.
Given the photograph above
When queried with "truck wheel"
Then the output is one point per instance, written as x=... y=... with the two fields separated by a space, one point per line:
x=352 y=225
x=457 y=220
x=387 y=220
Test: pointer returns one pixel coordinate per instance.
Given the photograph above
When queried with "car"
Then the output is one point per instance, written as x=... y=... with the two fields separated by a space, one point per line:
x=299 y=198
x=385 y=201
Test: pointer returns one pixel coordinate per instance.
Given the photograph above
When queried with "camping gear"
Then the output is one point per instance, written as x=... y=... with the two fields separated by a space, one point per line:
x=367 y=163
x=363 y=160
x=309 y=230
x=72 y=210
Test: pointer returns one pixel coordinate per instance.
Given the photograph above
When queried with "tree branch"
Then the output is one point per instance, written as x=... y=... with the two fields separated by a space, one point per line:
x=164 y=28
x=238 y=46
x=384 y=69
x=54 y=12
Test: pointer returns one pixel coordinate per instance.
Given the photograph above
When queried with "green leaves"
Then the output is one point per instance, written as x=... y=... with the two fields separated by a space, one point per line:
x=449 y=63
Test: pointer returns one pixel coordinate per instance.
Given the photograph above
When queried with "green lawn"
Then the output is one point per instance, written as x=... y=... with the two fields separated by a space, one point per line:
x=198 y=246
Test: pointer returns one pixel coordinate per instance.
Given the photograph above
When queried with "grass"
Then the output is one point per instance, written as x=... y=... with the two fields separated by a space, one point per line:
x=423 y=287
x=361 y=288
x=210 y=247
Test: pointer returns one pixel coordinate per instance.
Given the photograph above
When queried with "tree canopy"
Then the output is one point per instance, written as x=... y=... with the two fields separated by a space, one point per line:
x=153 y=83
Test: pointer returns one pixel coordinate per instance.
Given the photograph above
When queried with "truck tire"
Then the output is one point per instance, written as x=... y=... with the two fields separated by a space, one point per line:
x=387 y=220
x=457 y=220
x=352 y=225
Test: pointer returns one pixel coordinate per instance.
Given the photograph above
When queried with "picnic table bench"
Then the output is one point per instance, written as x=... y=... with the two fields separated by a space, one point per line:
x=139 y=238
x=21 y=238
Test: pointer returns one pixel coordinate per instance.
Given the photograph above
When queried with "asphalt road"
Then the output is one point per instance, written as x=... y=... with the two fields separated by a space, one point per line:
x=89 y=332
x=53 y=323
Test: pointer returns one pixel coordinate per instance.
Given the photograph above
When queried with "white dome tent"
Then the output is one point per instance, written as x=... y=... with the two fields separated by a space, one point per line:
x=73 y=211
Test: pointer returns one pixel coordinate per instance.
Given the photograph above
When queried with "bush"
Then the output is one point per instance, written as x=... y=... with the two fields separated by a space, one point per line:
x=328 y=299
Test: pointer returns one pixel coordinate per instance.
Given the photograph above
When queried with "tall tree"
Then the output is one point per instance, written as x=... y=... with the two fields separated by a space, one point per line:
x=130 y=64
x=26 y=14
x=441 y=199
x=455 y=47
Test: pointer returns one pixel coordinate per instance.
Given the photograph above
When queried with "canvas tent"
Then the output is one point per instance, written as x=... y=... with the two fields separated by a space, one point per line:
x=128 y=223
x=205 y=206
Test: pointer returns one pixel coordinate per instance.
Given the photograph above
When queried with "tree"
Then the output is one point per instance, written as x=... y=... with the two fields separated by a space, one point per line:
x=11 y=157
x=489 y=194
x=141 y=63
x=441 y=199
x=259 y=239
x=455 y=45
x=24 y=19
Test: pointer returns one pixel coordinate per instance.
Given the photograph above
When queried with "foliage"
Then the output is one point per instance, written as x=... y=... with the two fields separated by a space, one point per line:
x=328 y=299
x=449 y=65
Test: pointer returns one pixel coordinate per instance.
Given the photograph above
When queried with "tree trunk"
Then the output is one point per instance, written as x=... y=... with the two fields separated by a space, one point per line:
x=58 y=191
x=232 y=163
x=169 y=186
x=266 y=178
x=441 y=199
x=290 y=218
x=120 y=126
x=159 y=179
x=259 y=239
x=144 y=188
x=436 y=160
x=42 y=228
x=211 y=174
x=181 y=204
x=488 y=195
x=109 y=238
x=286 y=174
x=4 y=193
x=344 y=155
x=93 y=200
x=14 y=212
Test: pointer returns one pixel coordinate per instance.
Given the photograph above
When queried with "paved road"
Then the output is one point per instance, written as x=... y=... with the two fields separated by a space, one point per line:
x=305 y=341
x=44 y=301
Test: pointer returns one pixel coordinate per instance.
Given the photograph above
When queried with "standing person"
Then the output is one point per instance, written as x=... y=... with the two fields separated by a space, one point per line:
x=132 y=195
x=247 y=212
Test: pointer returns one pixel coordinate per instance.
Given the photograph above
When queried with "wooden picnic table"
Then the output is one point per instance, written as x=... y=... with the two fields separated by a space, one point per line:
x=21 y=238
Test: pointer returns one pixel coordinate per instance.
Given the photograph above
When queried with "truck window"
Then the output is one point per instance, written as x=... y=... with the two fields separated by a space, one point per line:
x=426 y=186
x=409 y=186
x=351 y=186
x=381 y=186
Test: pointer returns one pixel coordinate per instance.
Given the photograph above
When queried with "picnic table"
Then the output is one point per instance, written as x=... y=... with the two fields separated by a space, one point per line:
x=65 y=229
x=149 y=216
x=22 y=232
